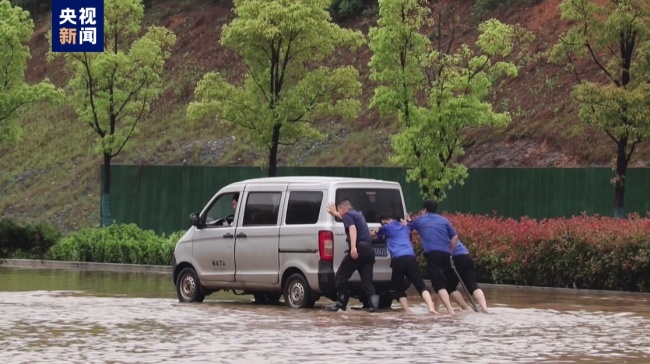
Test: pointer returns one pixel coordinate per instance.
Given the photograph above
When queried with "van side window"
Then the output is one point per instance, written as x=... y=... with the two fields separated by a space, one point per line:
x=262 y=208
x=222 y=211
x=304 y=207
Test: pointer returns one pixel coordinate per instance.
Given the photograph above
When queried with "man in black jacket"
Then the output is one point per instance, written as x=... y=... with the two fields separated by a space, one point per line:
x=360 y=257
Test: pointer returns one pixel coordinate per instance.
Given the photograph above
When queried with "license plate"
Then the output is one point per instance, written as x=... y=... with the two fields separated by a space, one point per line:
x=381 y=251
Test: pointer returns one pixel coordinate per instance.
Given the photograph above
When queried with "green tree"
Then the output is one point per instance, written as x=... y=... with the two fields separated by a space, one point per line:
x=436 y=89
x=112 y=90
x=16 y=28
x=607 y=48
x=285 y=90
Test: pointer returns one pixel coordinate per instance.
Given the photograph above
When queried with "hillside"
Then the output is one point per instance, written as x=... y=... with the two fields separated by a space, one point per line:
x=53 y=174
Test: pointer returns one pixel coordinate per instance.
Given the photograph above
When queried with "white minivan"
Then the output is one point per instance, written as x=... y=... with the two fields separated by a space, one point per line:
x=273 y=238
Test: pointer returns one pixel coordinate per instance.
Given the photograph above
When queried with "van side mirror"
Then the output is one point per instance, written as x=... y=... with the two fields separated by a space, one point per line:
x=194 y=219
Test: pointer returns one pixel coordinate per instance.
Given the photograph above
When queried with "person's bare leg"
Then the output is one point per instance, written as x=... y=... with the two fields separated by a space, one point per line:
x=426 y=296
x=436 y=301
x=405 y=304
x=480 y=298
x=444 y=296
x=458 y=298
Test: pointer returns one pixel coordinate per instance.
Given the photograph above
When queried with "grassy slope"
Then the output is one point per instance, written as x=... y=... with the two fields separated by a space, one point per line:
x=52 y=175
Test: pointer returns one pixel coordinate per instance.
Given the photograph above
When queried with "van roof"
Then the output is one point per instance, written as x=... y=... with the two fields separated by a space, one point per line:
x=310 y=180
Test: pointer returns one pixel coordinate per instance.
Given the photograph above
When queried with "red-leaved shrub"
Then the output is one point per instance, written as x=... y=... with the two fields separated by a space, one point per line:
x=591 y=252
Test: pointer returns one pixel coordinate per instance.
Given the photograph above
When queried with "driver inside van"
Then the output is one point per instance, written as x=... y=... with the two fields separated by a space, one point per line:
x=235 y=201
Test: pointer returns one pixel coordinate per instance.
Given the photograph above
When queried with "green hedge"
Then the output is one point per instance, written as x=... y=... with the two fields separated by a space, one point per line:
x=26 y=241
x=579 y=252
x=119 y=243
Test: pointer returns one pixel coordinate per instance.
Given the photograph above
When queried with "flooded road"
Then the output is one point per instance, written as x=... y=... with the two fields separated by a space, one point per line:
x=95 y=317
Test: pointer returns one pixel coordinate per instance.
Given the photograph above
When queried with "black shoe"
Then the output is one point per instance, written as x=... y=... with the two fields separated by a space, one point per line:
x=364 y=302
x=374 y=303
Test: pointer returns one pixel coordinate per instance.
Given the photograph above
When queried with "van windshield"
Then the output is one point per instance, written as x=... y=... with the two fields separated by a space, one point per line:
x=373 y=202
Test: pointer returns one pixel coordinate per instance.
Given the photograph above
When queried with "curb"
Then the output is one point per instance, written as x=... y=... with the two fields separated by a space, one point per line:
x=84 y=266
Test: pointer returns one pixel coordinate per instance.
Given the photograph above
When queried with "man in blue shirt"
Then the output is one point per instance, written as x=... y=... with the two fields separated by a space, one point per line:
x=467 y=272
x=361 y=257
x=439 y=239
x=403 y=262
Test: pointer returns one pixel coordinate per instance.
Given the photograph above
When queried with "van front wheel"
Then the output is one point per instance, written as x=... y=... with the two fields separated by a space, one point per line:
x=188 y=287
x=297 y=293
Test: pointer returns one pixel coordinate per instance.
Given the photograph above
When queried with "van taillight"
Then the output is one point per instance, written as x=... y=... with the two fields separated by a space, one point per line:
x=326 y=245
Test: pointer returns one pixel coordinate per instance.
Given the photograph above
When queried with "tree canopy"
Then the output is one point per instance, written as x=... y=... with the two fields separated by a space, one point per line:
x=436 y=90
x=16 y=28
x=285 y=88
x=607 y=48
x=111 y=91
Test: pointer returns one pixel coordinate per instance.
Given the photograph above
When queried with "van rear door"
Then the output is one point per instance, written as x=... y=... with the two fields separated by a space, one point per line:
x=373 y=201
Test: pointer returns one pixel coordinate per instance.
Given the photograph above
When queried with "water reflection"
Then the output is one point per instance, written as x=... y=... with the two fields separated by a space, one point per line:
x=95 y=317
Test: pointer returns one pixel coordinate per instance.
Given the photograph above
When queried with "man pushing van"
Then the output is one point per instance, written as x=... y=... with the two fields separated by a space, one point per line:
x=360 y=256
x=439 y=239
x=403 y=262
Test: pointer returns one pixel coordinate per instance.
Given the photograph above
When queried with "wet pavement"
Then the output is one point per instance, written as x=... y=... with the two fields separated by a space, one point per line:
x=94 y=317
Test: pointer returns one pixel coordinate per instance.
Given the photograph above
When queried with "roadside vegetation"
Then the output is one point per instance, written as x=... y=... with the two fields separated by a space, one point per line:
x=29 y=241
x=588 y=252
x=125 y=243
x=118 y=243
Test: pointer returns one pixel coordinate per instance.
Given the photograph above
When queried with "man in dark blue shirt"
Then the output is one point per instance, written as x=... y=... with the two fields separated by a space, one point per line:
x=439 y=239
x=403 y=262
x=361 y=257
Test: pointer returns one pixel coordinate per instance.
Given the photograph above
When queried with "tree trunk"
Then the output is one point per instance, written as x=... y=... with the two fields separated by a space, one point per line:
x=273 y=151
x=619 y=184
x=426 y=191
x=437 y=193
x=106 y=189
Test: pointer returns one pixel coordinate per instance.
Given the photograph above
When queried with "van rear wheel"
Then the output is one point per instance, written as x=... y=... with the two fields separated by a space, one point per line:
x=188 y=286
x=297 y=293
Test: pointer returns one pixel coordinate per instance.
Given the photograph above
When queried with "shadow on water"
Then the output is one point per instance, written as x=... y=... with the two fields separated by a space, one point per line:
x=99 y=317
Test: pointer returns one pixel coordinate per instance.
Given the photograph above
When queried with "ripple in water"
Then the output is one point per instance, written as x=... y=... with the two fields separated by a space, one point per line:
x=66 y=327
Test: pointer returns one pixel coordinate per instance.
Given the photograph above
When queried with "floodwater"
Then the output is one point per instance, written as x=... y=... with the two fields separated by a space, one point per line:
x=99 y=317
